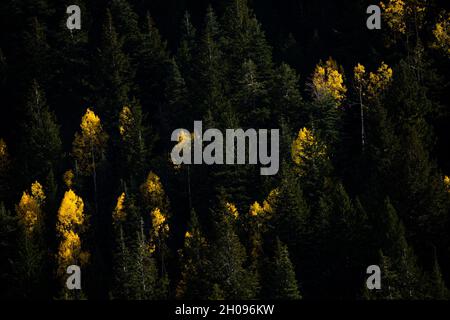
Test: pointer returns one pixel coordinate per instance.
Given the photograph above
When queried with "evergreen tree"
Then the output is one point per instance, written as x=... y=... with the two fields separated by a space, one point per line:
x=228 y=260
x=113 y=75
x=41 y=145
x=283 y=284
x=195 y=263
x=8 y=231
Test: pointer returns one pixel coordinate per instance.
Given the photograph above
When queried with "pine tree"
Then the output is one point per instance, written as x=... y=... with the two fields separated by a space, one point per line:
x=41 y=145
x=283 y=283
x=285 y=96
x=8 y=234
x=194 y=282
x=401 y=276
x=210 y=97
x=113 y=75
x=153 y=66
x=186 y=51
x=179 y=110
x=228 y=260
x=132 y=147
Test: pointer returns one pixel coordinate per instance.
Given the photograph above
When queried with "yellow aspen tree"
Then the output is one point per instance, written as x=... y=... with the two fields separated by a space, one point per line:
x=157 y=205
x=441 y=33
x=89 y=147
x=368 y=87
x=447 y=183
x=404 y=17
x=31 y=247
x=259 y=216
x=306 y=148
x=71 y=223
x=29 y=210
x=328 y=82
x=89 y=144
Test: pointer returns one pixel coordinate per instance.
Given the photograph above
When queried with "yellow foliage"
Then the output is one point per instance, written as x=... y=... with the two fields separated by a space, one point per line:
x=68 y=178
x=447 y=183
x=90 y=144
x=256 y=209
x=70 y=213
x=188 y=235
x=372 y=84
x=153 y=191
x=305 y=147
x=70 y=218
x=232 y=210
x=125 y=120
x=3 y=149
x=441 y=34
x=90 y=124
x=271 y=201
x=394 y=11
x=328 y=82
x=70 y=252
x=360 y=73
x=29 y=208
x=380 y=80
x=119 y=213
x=38 y=192
x=159 y=221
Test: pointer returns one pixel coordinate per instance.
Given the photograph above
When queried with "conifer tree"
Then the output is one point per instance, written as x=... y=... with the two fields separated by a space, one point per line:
x=113 y=74
x=195 y=263
x=153 y=65
x=8 y=235
x=283 y=283
x=401 y=276
x=132 y=145
x=228 y=260
x=41 y=145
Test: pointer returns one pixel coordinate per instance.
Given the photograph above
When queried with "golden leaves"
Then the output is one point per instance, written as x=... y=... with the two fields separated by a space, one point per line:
x=305 y=147
x=374 y=83
x=119 y=213
x=126 y=121
x=328 y=82
x=256 y=209
x=68 y=178
x=441 y=34
x=232 y=210
x=394 y=11
x=152 y=191
x=90 y=124
x=70 y=220
x=29 y=208
x=90 y=144
x=159 y=222
x=70 y=213
x=447 y=183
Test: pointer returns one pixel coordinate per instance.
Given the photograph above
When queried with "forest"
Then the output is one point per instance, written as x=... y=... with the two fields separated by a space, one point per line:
x=86 y=177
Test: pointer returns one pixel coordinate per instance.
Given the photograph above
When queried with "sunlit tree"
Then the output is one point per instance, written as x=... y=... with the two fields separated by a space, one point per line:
x=71 y=223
